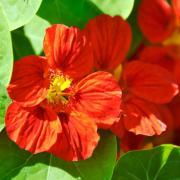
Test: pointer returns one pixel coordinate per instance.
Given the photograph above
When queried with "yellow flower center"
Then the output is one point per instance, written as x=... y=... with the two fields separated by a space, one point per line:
x=174 y=39
x=56 y=89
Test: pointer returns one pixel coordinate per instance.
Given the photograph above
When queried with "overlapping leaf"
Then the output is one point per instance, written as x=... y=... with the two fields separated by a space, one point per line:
x=18 y=164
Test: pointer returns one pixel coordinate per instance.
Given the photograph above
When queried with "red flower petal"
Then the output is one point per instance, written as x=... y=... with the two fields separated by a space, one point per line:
x=141 y=117
x=155 y=18
x=33 y=129
x=28 y=85
x=99 y=96
x=150 y=82
x=67 y=49
x=176 y=6
x=78 y=138
x=111 y=38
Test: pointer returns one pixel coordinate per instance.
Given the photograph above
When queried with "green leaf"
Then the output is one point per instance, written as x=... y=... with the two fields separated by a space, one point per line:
x=6 y=55
x=68 y=12
x=35 y=32
x=79 y=13
x=4 y=102
x=18 y=164
x=19 y=12
x=115 y=7
x=160 y=163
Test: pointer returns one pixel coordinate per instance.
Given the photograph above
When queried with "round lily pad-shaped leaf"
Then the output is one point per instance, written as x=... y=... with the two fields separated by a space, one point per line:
x=19 y=12
x=160 y=163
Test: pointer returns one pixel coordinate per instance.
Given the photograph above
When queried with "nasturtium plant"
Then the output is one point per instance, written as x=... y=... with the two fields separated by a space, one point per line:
x=89 y=89
x=155 y=164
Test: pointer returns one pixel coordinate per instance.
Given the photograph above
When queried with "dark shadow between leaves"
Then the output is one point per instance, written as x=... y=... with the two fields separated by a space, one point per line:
x=21 y=44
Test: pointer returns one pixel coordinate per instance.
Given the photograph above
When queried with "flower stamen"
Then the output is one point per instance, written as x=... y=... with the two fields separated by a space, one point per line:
x=58 y=85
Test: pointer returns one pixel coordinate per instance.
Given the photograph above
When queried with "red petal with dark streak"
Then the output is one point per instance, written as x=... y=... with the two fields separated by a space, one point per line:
x=150 y=82
x=141 y=117
x=111 y=38
x=155 y=18
x=68 y=50
x=28 y=85
x=34 y=129
x=78 y=139
x=99 y=96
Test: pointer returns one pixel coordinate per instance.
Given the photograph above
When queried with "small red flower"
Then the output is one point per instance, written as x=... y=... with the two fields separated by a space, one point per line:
x=163 y=56
x=54 y=107
x=144 y=85
x=159 y=21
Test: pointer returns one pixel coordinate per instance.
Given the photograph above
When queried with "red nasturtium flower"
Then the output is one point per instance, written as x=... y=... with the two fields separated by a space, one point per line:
x=143 y=84
x=56 y=107
x=163 y=57
x=160 y=21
